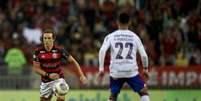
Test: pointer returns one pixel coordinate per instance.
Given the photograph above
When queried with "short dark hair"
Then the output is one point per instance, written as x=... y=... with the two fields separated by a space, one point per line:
x=124 y=18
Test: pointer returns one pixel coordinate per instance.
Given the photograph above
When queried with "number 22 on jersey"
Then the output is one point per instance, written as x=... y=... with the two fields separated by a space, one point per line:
x=122 y=46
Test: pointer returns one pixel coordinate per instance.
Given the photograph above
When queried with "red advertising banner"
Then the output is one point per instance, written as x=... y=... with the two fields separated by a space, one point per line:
x=160 y=77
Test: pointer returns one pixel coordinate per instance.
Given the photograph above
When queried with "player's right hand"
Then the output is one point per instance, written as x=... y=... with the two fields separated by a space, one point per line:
x=100 y=76
x=54 y=76
x=145 y=75
x=83 y=79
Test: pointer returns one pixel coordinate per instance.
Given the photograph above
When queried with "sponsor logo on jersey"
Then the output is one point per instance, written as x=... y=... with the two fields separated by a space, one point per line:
x=42 y=52
x=48 y=65
x=54 y=51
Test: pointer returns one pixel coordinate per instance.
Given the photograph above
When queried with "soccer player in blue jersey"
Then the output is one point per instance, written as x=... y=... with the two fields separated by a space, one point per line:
x=123 y=45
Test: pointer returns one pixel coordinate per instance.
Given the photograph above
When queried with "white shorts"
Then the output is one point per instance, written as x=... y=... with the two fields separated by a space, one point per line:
x=48 y=89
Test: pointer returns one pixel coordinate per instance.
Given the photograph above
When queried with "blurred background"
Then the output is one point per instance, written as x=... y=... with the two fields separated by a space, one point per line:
x=169 y=29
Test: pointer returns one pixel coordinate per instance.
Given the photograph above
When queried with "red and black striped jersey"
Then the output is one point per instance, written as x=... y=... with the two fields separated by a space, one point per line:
x=51 y=61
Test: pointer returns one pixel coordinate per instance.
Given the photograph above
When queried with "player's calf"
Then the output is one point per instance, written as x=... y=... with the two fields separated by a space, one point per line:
x=144 y=91
x=144 y=94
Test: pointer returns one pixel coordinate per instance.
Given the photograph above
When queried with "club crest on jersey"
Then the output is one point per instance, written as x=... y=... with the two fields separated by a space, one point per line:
x=42 y=56
x=54 y=55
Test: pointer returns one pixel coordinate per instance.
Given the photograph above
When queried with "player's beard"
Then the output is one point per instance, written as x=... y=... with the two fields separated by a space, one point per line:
x=48 y=45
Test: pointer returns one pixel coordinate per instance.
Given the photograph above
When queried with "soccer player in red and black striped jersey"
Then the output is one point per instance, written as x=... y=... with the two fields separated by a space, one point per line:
x=46 y=62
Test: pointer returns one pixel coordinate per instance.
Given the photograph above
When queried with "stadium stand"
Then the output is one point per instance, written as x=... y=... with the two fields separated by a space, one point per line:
x=170 y=29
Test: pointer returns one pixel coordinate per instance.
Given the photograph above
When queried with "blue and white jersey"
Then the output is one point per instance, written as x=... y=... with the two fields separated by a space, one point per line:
x=123 y=45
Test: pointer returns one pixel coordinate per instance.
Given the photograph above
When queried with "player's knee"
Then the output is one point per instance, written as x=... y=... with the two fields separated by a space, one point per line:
x=113 y=97
x=60 y=98
x=143 y=92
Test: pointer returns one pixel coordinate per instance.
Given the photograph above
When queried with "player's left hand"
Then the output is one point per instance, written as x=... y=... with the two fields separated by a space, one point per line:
x=83 y=79
x=53 y=76
x=145 y=74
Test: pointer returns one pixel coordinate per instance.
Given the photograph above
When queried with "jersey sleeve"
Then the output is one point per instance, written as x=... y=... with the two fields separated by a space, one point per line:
x=105 y=46
x=143 y=54
x=35 y=55
x=64 y=54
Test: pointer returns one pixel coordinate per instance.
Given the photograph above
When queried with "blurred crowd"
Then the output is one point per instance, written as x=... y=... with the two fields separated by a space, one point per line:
x=169 y=29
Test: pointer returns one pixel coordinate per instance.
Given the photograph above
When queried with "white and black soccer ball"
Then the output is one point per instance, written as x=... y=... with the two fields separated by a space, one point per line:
x=61 y=88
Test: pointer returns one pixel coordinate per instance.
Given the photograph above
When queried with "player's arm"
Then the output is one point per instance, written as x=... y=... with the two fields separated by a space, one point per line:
x=36 y=64
x=38 y=69
x=102 y=52
x=75 y=63
x=71 y=60
x=144 y=58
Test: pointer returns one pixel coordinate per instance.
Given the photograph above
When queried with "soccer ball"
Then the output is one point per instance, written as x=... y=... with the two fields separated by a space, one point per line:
x=61 y=88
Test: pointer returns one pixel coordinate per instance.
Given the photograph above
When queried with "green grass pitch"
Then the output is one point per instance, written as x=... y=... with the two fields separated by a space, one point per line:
x=102 y=95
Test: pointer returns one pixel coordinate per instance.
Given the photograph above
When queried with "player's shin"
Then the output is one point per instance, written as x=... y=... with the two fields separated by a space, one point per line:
x=113 y=97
